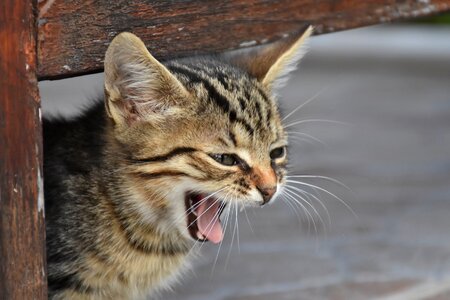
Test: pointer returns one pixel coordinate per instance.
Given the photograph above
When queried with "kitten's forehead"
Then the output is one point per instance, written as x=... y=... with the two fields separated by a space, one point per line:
x=230 y=97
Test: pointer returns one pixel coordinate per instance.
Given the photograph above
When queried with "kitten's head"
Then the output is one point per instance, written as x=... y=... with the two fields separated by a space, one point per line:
x=201 y=133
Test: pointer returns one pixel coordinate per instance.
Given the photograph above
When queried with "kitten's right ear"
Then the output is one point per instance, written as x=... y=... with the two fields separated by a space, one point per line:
x=137 y=86
x=271 y=63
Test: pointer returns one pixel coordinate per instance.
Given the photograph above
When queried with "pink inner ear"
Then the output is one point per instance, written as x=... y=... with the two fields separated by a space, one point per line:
x=127 y=110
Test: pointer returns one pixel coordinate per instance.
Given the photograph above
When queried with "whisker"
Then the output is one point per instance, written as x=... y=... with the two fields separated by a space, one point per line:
x=306 y=102
x=310 y=205
x=326 y=191
x=237 y=227
x=294 y=209
x=224 y=232
x=206 y=210
x=223 y=199
x=210 y=224
x=248 y=220
x=300 y=140
x=296 y=204
x=293 y=133
x=315 y=198
x=322 y=177
x=232 y=240
x=288 y=193
x=206 y=198
x=193 y=207
x=316 y=120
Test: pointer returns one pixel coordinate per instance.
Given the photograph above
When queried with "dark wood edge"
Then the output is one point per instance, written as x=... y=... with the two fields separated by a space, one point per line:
x=73 y=36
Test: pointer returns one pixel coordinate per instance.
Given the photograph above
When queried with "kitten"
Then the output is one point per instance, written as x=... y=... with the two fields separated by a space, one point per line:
x=131 y=184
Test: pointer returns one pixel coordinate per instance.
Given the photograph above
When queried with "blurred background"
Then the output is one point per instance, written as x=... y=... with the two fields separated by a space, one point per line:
x=374 y=130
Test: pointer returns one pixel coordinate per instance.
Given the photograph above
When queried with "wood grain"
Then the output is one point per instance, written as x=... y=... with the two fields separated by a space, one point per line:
x=73 y=35
x=22 y=232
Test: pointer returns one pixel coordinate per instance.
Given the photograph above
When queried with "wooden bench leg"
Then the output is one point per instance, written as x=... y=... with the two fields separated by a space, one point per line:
x=22 y=228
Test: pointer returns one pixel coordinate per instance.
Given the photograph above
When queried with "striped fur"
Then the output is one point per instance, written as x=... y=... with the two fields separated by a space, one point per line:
x=116 y=176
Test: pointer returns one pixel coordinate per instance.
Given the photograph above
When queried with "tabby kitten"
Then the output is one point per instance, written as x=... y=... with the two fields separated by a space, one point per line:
x=131 y=184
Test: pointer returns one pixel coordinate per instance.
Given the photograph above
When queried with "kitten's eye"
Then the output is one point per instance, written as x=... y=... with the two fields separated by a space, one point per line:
x=277 y=153
x=225 y=159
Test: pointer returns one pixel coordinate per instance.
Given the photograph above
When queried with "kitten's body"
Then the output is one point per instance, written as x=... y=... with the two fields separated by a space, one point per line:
x=116 y=180
x=90 y=245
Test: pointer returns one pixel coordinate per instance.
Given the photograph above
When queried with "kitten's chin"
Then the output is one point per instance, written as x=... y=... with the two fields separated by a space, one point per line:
x=203 y=217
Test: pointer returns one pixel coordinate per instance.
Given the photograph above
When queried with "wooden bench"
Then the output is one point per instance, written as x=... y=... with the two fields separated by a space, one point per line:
x=52 y=39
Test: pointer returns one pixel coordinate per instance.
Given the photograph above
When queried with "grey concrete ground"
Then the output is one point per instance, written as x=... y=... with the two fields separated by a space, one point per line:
x=390 y=87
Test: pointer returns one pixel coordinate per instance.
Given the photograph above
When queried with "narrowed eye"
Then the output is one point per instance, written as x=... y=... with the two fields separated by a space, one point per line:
x=277 y=153
x=225 y=159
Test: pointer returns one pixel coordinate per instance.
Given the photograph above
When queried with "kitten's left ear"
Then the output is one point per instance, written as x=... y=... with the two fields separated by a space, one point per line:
x=271 y=64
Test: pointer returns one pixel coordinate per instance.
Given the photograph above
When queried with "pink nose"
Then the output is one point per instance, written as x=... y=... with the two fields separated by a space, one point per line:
x=267 y=193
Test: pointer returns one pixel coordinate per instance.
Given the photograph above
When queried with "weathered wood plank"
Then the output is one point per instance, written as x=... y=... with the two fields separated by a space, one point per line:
x=73 y=35
x=22 y=231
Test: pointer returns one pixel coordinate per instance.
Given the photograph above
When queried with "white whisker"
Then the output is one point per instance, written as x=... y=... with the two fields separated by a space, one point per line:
x=292 y=134
x=248 y=220
x=326 y=191
x=306 y=102
x=225 y=200
x=290 y=194
x=206 y=210
x=322 y=177
x=300 y=140
x=232 y=240
x=309 y=216
x=310 y=205
x=294 y=209
x=316 y=120
x=193 y=207
x=211 y=223
x=237 y=228
x=306 y=193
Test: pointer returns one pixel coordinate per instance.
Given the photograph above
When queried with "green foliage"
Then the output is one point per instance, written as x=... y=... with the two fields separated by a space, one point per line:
x=439 y=19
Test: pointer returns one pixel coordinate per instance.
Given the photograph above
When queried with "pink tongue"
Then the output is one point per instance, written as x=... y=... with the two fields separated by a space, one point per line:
x=208 y=222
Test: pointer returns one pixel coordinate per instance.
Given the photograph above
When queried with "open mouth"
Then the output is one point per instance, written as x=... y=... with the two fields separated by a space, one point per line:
x=203 y=217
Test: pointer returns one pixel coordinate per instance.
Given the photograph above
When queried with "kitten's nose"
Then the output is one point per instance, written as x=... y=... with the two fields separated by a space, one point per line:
x=267 y=193
x=265 y=181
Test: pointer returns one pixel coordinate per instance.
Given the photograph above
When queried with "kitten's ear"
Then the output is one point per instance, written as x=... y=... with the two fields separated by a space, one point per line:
x=137 y=86
x=271 y=64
